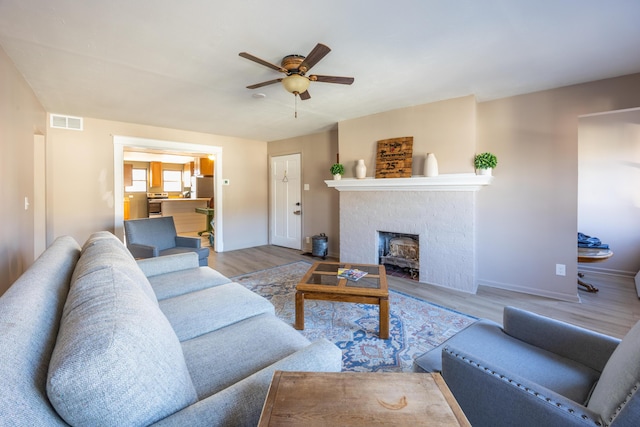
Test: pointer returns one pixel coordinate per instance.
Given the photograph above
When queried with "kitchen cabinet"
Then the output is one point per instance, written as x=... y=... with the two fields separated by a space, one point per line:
x=206 y=166
x=128 y=175
x=155 y=174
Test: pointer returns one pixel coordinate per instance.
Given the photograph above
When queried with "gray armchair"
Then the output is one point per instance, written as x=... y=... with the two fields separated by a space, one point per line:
x=536 y=371
x=152 y=237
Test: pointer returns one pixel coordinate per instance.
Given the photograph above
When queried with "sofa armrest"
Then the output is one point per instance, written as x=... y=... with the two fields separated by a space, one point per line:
x=241 y=404
x=490 y=396
x=168 y=264
x=142 y=251
x=188 y=242
x=587 y=347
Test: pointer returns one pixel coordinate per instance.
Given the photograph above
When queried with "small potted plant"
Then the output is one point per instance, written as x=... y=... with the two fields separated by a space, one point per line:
x=337 y=170
x=485 y=163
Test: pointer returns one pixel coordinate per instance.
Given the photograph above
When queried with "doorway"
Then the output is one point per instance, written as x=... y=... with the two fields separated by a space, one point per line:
x=286 y=206
x=608 y=194
x=122 y=142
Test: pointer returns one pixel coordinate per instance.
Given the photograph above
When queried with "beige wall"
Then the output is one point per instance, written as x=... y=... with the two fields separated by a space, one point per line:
x=320 y=211
x=527 y=218
x=445 y=128
x=80 y=180
x=21 y=117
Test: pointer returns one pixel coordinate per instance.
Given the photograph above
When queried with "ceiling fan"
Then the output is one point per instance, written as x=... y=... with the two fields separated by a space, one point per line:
x=295 y=67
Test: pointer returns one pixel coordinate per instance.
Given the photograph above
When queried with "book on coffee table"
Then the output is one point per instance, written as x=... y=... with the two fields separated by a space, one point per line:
x=352 y=274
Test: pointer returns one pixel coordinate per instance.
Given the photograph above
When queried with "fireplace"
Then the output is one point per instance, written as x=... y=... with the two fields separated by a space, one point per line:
x=400 y=253
x=444 y=222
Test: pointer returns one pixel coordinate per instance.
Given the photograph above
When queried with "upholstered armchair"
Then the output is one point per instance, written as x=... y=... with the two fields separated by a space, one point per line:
x=536 y=371
x=152 y=237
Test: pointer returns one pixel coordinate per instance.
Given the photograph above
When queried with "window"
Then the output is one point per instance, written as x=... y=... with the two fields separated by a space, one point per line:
x=172 y=180
x=139 y=181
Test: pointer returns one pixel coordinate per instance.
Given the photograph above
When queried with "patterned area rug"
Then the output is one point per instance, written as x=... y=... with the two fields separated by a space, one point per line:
x=415 y=325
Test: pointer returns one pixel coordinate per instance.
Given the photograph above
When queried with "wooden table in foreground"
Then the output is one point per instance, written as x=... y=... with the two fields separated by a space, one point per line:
x=360 y=399
x=322 y=283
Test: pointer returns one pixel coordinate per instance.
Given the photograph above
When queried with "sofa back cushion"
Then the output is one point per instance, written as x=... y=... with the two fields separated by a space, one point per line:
x=30 y=312
x=116 y=360
x=159 y=232
x=618 y=384
x=104 y=249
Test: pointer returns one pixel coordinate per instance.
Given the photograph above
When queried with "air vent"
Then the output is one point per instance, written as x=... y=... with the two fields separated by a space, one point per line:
x=66 y=122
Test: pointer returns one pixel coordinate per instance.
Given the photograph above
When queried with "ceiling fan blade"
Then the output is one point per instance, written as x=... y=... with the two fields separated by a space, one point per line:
x=305 y=95
x=262 y=62
x=332 y=79
x=318 y=52
x=270 y=82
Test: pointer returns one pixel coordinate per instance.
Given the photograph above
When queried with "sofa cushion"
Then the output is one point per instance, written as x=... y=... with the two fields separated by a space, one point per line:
x=116 y=360
x=200 y=312
x=182 y=282
x=104 y=249
x=221 y=358
x=620 y=377
x=30 y=312
x=487 y=341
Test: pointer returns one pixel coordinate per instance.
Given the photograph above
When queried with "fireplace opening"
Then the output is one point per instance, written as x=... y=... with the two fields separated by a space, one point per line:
x=400 y=254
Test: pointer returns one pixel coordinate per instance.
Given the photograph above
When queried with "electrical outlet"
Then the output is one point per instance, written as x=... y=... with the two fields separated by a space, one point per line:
x=561 y=270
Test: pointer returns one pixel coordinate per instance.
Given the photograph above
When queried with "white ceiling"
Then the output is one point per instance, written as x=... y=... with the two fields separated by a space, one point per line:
x=175 y=63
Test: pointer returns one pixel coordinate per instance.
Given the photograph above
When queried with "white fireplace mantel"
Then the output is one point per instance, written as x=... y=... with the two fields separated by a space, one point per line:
x=446 y=182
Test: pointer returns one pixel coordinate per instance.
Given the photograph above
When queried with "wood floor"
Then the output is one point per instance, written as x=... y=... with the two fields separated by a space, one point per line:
x=612 y=311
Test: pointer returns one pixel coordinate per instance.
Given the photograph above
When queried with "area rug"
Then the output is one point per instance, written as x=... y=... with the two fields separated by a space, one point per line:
x=416 y=326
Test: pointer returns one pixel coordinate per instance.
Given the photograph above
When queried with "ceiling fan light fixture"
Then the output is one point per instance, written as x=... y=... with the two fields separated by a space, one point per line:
x=295 y=83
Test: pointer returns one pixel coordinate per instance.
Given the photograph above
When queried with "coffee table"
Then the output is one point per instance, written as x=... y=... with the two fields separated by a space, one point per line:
x=360 y=399
x=322 y=283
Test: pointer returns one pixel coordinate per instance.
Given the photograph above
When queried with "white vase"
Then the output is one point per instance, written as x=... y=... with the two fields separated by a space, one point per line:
x=337 y=177
x=487 y=171
x=361 y=169
x=431 y=165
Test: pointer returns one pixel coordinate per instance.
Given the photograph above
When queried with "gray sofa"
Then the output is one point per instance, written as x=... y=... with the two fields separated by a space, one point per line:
x=535 y=371
x=90 y=337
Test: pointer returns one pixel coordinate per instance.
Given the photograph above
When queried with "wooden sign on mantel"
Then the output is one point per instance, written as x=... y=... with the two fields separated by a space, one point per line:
x=395 y=158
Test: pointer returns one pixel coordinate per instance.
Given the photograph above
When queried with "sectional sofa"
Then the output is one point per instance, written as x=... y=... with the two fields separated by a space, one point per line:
x=89 y=336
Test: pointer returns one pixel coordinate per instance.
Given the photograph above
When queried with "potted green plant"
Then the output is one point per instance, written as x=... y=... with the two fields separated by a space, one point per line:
x=484 y=163
x=337 y=170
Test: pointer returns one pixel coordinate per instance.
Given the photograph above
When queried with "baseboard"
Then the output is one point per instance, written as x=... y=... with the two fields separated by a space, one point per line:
x=525 y=290
x=606 y=271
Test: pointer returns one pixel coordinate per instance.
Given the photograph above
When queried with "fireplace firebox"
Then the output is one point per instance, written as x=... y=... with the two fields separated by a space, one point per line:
x=401 y=251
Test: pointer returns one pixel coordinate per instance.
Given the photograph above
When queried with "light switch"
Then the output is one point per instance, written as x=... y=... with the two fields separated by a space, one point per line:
x=306 y=187
x=26 y=203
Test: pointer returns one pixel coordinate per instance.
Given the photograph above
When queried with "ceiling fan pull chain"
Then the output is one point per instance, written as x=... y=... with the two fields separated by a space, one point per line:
x=295 y=113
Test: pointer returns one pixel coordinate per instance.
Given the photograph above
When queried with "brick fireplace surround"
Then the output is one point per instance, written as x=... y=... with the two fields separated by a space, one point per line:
x=440 y=210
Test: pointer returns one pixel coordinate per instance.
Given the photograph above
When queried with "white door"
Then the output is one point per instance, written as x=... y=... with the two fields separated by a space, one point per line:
x=286 y=206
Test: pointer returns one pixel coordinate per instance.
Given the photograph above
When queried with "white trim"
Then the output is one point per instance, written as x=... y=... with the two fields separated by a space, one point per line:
x=447 y=182
x=119 y=142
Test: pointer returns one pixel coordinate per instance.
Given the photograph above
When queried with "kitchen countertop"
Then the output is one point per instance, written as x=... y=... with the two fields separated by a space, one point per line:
x=181 y=199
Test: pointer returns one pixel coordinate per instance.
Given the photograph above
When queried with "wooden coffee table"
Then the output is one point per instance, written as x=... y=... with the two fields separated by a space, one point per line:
x=360 y=399
x=322 y=283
